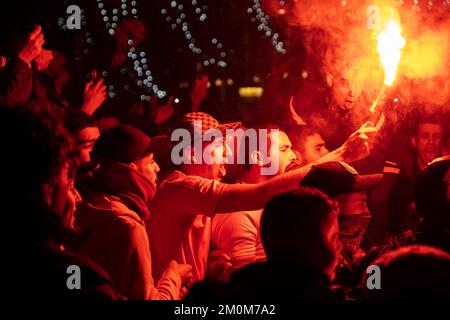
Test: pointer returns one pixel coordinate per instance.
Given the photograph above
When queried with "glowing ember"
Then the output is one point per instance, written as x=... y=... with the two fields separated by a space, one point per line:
x=390 y=44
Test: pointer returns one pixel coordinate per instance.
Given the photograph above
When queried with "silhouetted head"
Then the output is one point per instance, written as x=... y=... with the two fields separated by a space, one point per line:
x=300 y=227
x=413 y=272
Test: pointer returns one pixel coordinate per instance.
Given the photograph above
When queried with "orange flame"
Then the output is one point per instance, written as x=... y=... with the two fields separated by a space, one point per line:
x=390 y=44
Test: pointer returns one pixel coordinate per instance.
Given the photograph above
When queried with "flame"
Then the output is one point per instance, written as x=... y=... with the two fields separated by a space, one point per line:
x=390 y=44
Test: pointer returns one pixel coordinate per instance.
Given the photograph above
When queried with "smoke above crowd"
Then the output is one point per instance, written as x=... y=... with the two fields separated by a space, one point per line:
x=340 y=38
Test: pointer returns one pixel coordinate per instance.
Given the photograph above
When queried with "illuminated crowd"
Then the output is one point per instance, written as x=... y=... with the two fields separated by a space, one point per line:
x=103 y=191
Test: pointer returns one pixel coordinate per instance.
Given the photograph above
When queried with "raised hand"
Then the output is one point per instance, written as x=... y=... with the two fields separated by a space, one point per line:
x=94 y=96
x=165 y=112
x=219 y=265
x=199 y=92
x=185 y=273
x=32 y=46
x=359 y=144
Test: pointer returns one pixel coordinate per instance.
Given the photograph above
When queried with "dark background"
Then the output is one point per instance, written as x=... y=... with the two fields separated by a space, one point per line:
x=250 y=54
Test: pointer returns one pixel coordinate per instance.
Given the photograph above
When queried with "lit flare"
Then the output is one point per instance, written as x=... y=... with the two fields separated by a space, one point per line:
x=390 y=44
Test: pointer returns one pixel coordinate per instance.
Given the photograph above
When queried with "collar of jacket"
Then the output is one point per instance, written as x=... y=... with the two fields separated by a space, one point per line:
x=127 y=184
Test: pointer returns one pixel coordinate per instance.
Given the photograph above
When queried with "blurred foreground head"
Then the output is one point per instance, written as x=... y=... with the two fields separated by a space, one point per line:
x=300 y=228
x=35 y=168
x=432 y=198
x=413 y=272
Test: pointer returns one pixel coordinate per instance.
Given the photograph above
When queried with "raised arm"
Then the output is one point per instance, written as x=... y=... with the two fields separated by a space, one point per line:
x=16 y=80
x=239 y=197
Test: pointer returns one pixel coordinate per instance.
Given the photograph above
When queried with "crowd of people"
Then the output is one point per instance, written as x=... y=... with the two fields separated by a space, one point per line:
x=103 y=193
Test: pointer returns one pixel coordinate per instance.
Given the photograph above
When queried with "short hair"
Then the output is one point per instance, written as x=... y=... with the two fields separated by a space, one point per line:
x=242 y=147
x=244 y=144
x=292 y=226
x=299 y=134
x=412 y=272
x=422 y=118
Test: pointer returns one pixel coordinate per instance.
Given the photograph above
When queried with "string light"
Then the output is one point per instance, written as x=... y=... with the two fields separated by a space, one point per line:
x=144 y=77
x=177 y=19
x=111 y=22
x=262 y=19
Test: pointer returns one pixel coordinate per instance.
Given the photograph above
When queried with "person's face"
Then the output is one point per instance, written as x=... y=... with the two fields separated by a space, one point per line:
x=343 y=93
x=284 y=150
x=217 y=151
x=148 y=167
x=428 y=142
x=331 y=236
x=313 y=148
x=352 y=203
x=43 y=60
x=211 y=161
x=85 y=140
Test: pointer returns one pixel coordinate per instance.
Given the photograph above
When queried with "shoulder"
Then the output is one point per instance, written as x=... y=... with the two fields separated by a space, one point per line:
x=240 y=219
x=114 y=212
x=126 y=220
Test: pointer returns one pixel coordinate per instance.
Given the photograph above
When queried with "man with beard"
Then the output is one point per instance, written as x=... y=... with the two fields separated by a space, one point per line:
x=39 y=199
x=237 y=236
x=191 y=195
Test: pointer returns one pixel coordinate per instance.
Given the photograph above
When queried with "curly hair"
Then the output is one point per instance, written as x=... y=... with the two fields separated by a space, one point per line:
x=36 y=147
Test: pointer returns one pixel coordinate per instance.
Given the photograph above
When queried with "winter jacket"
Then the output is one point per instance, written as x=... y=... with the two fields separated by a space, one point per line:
x=114 y=235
